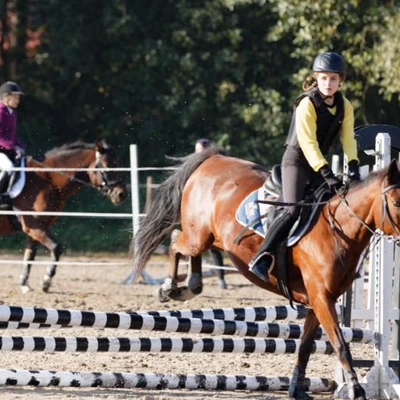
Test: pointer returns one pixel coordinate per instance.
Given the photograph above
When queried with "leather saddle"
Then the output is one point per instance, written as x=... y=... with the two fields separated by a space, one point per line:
x=315 y=194
x=273 y=184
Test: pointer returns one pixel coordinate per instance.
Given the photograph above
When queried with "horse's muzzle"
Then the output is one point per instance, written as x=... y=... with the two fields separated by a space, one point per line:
x=117 y=194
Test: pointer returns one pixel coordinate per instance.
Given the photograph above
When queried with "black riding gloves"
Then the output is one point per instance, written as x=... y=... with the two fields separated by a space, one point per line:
x=354 y=171
x=333 y=182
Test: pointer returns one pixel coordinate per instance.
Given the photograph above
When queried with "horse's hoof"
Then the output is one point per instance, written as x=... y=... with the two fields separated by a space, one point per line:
x=357 y=393
x=296 y=388
x=164 y=292
x=46 y=284
x=196 y=290
x=25 y=289
x=163 y=296
x=170 y=291
x=301 y=395
x=182 y=293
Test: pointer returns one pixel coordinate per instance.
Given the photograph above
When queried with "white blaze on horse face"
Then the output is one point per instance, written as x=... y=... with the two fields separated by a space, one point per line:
x=98 y=164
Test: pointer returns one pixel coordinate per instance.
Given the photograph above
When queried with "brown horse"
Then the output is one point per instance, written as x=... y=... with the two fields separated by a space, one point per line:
x=203 y=195
x=48 y=191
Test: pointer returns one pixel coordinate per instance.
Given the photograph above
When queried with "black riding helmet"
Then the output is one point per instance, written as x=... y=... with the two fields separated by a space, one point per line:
x=10 y=88
x=329 y=62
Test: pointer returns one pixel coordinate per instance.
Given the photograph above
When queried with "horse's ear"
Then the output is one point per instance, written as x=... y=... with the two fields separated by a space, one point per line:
x=393 y=172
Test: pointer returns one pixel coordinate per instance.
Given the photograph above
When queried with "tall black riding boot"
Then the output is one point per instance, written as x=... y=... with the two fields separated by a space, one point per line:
x=264 y=259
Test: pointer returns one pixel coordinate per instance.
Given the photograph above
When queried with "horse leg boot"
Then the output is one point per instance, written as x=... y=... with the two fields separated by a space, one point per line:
x=51 y=271
x=263 y=262
x=29 y=255
x=195 y=281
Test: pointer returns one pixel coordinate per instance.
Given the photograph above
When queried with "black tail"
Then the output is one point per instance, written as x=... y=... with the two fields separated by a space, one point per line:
x=164 y=211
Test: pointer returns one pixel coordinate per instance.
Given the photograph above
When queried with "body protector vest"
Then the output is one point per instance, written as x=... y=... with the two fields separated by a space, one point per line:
x=328 y=125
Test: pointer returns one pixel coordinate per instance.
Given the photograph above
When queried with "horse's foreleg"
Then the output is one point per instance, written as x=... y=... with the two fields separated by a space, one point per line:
x=297 y=389
x=29 y=255
x=56 y=251
x=326 y=313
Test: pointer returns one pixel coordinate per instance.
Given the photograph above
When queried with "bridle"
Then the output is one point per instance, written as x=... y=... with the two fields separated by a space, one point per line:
x=385 y=214
x=377 y=234
x=106 y=184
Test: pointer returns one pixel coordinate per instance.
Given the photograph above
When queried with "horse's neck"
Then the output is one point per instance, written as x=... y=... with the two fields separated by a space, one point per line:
x=81 y=159
x=356 y=216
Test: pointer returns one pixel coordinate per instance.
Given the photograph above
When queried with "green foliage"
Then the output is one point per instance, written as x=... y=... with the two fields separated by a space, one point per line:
x=95 y=234
x=161 y=74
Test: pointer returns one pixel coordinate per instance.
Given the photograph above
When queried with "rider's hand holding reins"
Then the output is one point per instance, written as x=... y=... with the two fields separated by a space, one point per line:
x=333 y=182
x=354 y=171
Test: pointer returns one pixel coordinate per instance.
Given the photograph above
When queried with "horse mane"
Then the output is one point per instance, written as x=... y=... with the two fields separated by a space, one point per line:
x=369 y=178
x=68 y=148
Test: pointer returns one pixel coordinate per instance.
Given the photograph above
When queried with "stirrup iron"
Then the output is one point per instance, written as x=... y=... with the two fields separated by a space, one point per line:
x=259 y=267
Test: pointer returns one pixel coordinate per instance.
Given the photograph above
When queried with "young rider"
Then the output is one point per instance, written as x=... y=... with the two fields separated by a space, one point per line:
x=321 y=112
x=10 y=145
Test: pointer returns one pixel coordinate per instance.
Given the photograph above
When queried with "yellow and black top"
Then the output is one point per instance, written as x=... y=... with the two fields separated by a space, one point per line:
x=315 y=124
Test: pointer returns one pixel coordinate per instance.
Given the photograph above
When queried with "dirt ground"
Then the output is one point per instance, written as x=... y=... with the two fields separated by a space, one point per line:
x=98 y=288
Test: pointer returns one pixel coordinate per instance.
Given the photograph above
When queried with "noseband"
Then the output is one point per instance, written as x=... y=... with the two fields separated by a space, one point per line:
x=106 y=184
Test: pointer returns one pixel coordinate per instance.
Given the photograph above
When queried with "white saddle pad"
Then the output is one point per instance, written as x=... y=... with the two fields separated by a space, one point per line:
x=7 y=165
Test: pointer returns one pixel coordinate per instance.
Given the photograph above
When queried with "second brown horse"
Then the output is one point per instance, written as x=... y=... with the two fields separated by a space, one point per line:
x=49 y=190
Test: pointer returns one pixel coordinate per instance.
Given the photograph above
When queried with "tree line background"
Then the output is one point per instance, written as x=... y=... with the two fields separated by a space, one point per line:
x=162 y=74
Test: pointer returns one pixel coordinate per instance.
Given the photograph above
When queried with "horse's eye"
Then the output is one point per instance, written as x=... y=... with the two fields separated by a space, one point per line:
x=396 y=203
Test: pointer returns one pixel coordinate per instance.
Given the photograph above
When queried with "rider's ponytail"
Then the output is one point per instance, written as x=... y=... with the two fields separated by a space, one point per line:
x=309 y=83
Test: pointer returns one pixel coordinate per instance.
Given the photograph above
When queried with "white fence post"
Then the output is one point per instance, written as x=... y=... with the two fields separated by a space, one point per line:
x=134 y=187
x=381 y=380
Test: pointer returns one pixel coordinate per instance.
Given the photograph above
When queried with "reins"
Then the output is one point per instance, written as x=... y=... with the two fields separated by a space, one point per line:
x=377 y=234
x=275 y=203
x=301 y=203
x=385 y=214
x=341 y=195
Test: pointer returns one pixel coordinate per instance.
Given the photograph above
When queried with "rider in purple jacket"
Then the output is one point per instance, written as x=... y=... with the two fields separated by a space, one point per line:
x=10 y=145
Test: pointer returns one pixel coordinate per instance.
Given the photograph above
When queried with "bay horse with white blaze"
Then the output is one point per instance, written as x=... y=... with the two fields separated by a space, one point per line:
x=49 y=190
x=204 y=193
